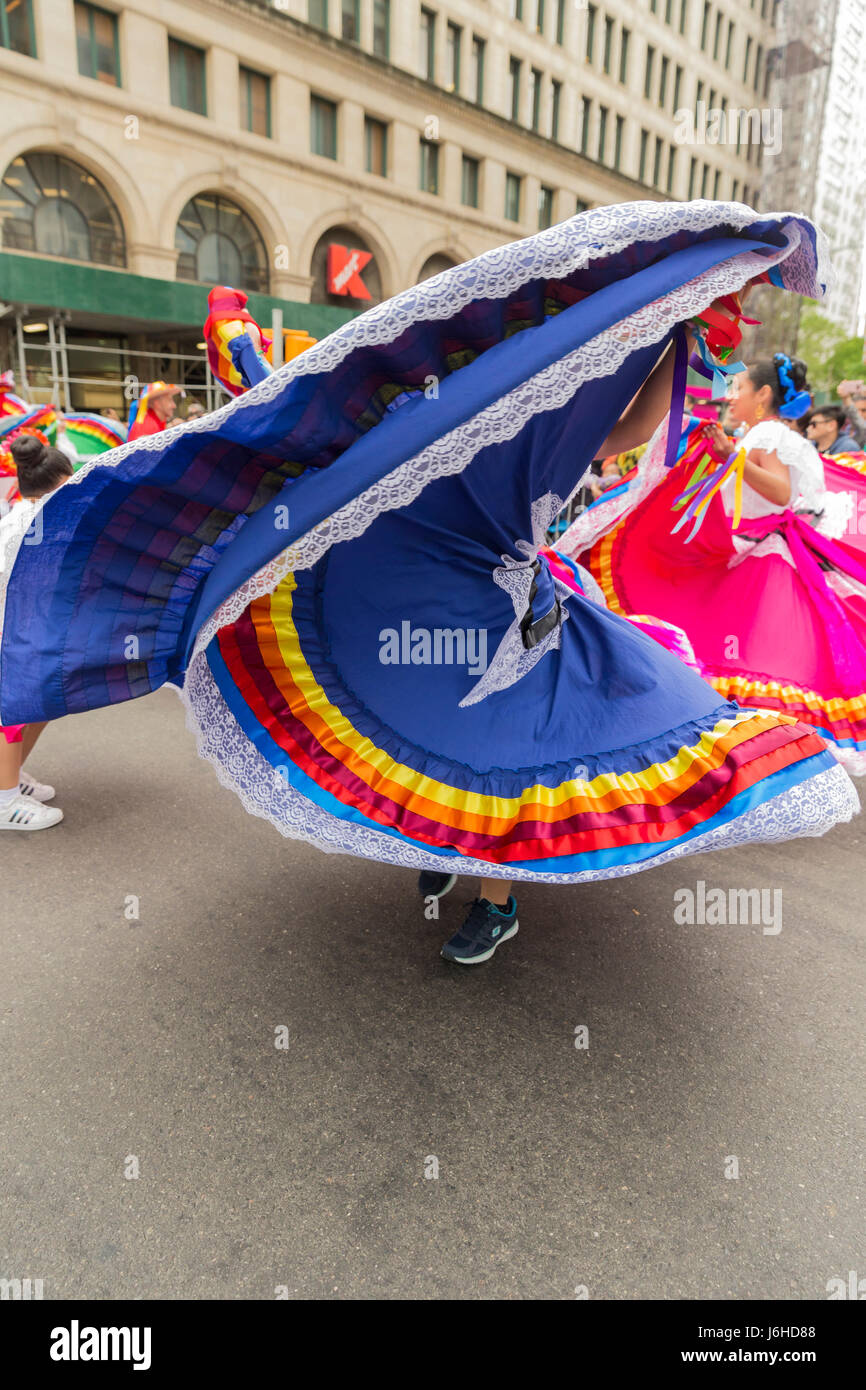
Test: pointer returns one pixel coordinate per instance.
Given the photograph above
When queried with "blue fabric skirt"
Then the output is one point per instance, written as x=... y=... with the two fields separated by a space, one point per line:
x=340 y=571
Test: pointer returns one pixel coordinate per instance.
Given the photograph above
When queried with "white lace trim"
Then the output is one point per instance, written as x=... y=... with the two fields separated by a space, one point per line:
x=774 y=544
x=498 y=422
x=512 y=660
x=853 y=762
x=555 y=253
x=837 y=512
x=496 y=274
x=14 y=526
x=811 y=808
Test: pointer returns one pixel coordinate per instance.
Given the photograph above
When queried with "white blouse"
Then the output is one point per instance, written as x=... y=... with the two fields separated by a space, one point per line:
x=808 y=488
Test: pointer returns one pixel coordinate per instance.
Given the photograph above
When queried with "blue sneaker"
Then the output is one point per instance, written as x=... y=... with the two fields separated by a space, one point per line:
x=486 y=927
x=431 y=885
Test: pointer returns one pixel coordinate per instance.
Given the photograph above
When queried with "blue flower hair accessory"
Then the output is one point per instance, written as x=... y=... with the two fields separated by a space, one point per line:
x=796 y=403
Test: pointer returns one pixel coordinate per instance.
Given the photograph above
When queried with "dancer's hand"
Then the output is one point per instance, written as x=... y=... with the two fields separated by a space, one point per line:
x=718 y=440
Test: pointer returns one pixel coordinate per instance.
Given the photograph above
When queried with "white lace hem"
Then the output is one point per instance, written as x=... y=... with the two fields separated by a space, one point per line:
x=810 y=809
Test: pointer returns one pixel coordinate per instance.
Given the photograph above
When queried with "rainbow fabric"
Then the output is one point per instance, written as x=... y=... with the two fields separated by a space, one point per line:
x=263 y=557
x=93 y=434
x=227 y=320
x=273 y=684
x=35 y=417
x=780 y=623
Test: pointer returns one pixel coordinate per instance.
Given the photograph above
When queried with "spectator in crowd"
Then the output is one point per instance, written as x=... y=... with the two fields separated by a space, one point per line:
x=825 y=426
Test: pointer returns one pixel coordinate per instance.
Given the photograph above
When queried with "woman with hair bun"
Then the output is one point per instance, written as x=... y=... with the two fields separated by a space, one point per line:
x=41 y=469
x=752 y=555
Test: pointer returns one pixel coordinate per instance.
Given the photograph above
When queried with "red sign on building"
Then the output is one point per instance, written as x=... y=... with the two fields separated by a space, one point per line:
x=344 y=271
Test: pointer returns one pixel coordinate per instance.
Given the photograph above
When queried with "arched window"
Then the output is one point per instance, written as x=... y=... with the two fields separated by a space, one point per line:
x=434 y=264
x=56 y=207
x=218 y=244
x=345 y=241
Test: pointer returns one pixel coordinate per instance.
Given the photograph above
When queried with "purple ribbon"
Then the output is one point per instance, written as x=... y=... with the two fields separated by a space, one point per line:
x=678 y=395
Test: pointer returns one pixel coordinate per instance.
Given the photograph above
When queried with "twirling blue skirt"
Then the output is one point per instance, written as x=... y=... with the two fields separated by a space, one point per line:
x=340 y=571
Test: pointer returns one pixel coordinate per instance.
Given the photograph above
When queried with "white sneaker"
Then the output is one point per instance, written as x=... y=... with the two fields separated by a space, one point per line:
x=40 y=791
x=24 y=813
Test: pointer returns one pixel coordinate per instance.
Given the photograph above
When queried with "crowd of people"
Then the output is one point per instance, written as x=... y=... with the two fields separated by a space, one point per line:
x=687 y=669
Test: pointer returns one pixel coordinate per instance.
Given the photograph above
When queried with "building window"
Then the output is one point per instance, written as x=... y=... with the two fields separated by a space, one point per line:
x=16 y=27
x=514 y=67
x=513 y=190
x=469 y=182
x=428 y=180
x=608 y=45
x=735 y=190
x=581 y=206
x=758 y=60
x=545 y=208
x=560 y=22
x=57 y=208
x=672 y=166
x=705 y=173
x=602 y=132
x=705 y=23
x=717 y=38
x=684 y=15
x=323 y=126
x=350 y=21
x=729 y=44
x=376 y=146
x=641 y=168
x=555 y=108
x=96 y=38
x=427 y=45
x=453 y=45
x=693 y=169
x=699 y=95
x=663 y=81
x=535 y=78
x=717 y=179
x=435 y=264
x=623 y=55
x=317 y=13
x=669 y=9
x=657 y=162
x=478 y=50
x=382 y=28
x=648 y=71
x=539 y=16
x=678 y=87
x=218 y=244
x=586 y=107
x=255 y=101
x=617 y=142
x=590 y=31
x=747 y=58
x=186 y=77
x=515 y=9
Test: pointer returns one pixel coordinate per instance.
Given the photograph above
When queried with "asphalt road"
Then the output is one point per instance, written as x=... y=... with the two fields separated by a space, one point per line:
x=303 y=1167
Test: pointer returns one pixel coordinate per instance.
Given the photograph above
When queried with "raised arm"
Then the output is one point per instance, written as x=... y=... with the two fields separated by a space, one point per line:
x=648 y=407
x=764 y=470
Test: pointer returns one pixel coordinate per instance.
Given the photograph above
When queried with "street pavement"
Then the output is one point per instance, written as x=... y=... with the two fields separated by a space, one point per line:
x=148 y=1044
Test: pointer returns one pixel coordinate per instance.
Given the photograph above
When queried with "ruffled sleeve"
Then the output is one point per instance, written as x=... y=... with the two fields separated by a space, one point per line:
x=798 y=455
